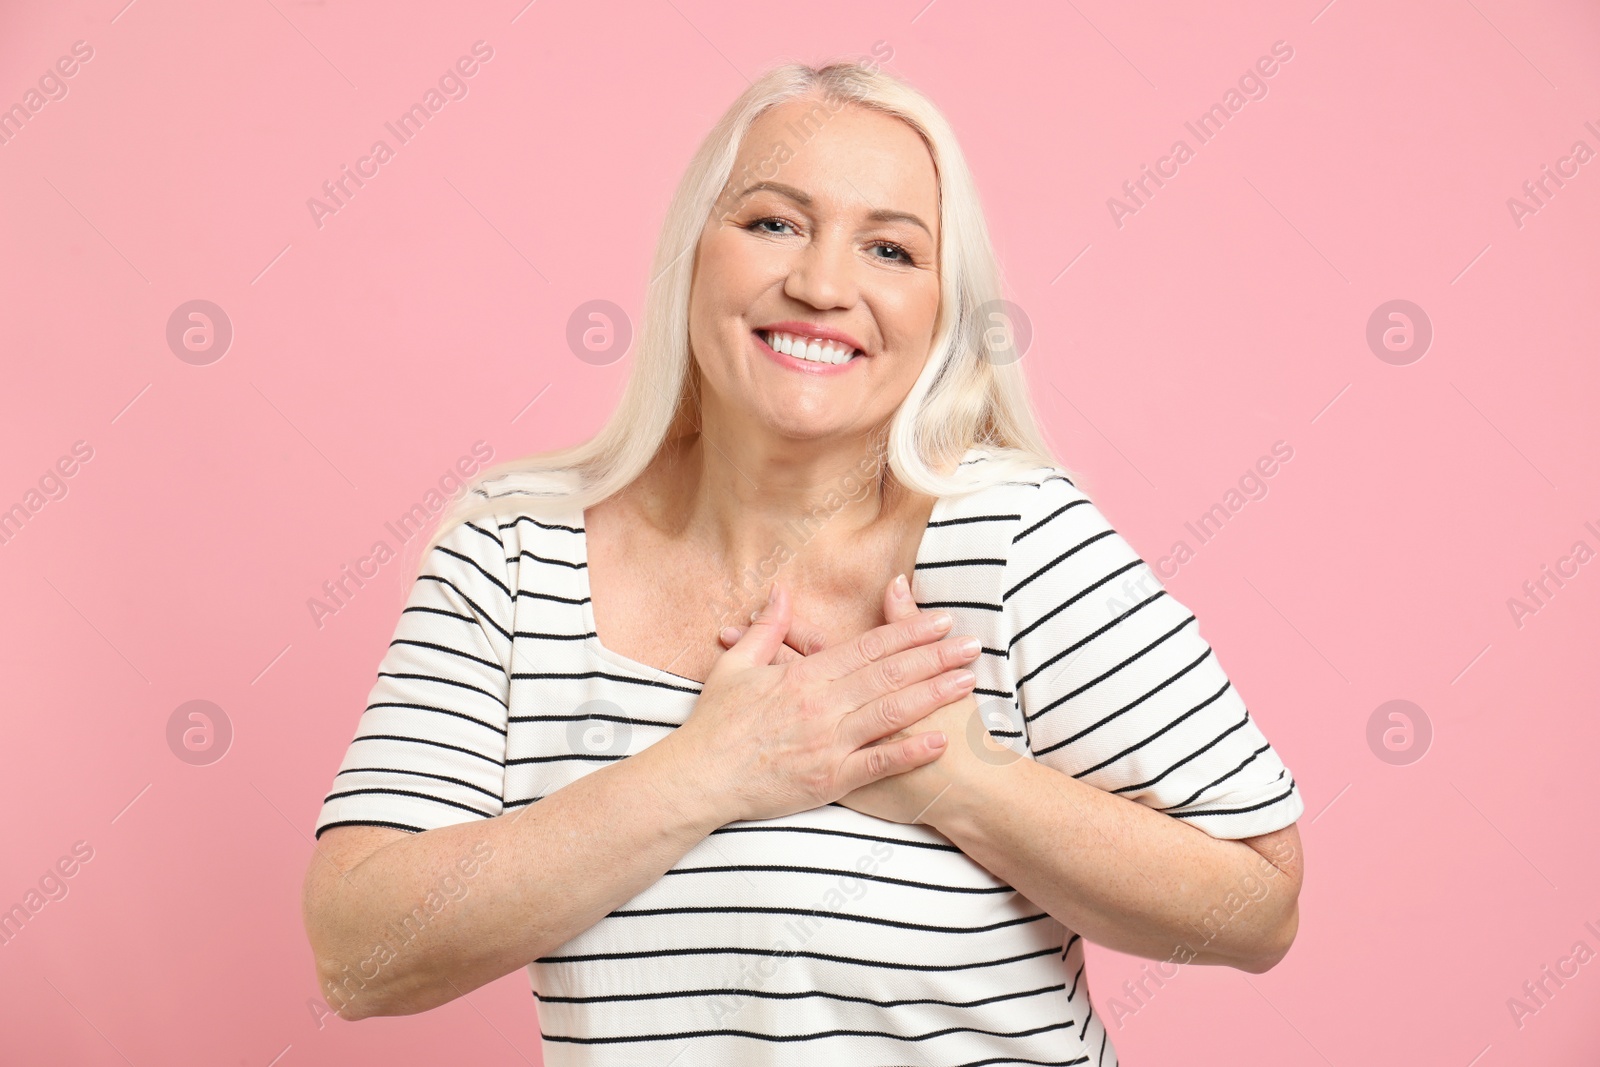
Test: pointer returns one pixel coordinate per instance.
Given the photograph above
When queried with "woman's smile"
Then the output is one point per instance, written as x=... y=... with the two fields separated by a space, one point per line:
x=794 y=353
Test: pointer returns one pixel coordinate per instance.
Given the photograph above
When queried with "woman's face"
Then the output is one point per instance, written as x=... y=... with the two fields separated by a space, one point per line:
x=840 y=232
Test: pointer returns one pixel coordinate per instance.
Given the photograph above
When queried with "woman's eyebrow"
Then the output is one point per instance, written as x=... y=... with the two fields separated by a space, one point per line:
x=804 y=200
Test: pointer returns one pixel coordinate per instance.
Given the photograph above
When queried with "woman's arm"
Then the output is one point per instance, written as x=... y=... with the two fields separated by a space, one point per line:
x=407 y=928
x=1112 y=869
x=402 y=926
x=1121 y=874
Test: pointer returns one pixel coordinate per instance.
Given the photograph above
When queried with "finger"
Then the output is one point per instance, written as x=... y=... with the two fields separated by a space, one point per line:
x=897 y=600
x=730 y=635
x=800 y=647
x=867 y=765
x=759 y=643
x=881 y=719
x=903 y=670
x=878 y=644
x=807 y=637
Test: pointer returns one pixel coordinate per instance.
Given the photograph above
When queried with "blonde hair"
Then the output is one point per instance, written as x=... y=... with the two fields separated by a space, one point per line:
x=963 y=397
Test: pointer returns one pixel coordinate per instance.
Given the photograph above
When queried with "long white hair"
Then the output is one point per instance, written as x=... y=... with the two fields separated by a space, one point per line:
x=971 y=390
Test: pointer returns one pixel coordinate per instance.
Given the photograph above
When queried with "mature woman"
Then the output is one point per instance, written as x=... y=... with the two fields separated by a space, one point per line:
x=875 y=824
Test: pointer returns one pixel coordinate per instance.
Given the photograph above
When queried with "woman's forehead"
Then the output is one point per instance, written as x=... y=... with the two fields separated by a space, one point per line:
x=841 y=156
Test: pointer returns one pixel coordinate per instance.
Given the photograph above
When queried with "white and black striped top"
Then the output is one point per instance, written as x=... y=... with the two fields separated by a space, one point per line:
x=826 y=937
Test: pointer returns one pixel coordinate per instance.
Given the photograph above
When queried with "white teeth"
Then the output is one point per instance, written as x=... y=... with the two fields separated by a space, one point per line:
x=813 y=350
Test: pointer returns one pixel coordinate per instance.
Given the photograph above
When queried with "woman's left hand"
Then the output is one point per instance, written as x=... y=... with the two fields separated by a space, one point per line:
x=910 y=797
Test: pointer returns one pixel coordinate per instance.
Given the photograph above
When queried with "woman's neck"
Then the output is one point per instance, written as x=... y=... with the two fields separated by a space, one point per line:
x=738 y=504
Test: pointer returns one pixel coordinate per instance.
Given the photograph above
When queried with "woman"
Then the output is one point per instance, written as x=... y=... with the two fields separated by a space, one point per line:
x=846 y=832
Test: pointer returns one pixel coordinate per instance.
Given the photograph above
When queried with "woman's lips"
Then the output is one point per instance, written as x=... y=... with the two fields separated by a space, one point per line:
x=804 y=365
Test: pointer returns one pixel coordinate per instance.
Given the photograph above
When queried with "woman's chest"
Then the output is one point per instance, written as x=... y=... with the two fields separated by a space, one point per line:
x=663 y=604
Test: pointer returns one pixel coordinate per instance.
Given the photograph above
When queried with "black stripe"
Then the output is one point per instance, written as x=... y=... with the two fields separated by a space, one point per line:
x=366 y=822
x=795 y=869
x=839 y=916
x=1236 y=811
x=961 y=520
x=599 y=716
x=529 y=594
x=1135 y=702
x=1079 y=547
x=934 y=565
x=757 y=828
x=442 y=681
x=418 y=774
x=625 y=679
x=442 y=711
x=498 y=583
x=529 y=554
x=541 y=525
x=1168 y=726
x=764 y=994
x=1048 y=518
x=1067 y=603
x=425 y=741
x=1090 y=637
x=1202 y=750
x=409 y=793
x=483 y=615
x=736 y=950
x=1190 y=799
x=776 y=1038
x=969 y=605
x=496 y=664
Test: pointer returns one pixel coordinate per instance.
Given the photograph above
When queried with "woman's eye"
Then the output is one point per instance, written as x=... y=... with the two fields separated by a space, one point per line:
x=901 y=255
x=759 y=222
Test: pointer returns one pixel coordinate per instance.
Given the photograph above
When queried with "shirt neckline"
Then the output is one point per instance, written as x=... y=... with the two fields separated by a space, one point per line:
x=592 y=637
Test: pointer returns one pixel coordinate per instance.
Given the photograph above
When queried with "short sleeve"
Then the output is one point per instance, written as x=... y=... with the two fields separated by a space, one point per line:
x=430 y=747
x=1115 y=683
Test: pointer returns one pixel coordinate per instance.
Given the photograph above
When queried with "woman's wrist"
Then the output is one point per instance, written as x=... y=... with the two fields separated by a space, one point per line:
x=674 y=780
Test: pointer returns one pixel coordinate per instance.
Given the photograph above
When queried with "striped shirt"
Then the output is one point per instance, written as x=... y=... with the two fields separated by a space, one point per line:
x=827 y=936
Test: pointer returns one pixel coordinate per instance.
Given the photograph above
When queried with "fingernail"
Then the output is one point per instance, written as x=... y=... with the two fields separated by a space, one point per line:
x=901 y=587
x=730 y=634
x=772 y=599
x=936 y=740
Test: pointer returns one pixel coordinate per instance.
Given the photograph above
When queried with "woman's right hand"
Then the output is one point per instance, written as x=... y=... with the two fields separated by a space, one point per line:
x=768 y=739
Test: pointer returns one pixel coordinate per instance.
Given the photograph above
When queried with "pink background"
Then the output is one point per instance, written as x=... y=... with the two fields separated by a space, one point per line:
x=369 y=354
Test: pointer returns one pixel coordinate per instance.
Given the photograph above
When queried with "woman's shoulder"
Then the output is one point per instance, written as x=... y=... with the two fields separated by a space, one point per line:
x=1015 y=479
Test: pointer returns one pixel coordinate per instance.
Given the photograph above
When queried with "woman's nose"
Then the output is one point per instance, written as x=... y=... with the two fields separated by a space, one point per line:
x=823 y=274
